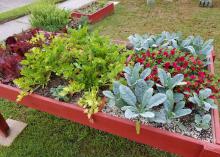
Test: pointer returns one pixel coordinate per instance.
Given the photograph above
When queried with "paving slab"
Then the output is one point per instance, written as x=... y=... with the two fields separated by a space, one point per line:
x=6 y=5
x=16 y=127
x=13 y=27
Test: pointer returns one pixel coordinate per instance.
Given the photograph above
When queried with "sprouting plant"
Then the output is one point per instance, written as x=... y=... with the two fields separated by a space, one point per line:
x=72 y=88
x=90 y=102
x=136 y=102
x=202 y=100
x=202 y=122
x=56 y=93
x=174 y=107
x=168 y=82
x=132 y=74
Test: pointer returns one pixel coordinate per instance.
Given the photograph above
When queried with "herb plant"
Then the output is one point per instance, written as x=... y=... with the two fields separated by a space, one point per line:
x=49 y=17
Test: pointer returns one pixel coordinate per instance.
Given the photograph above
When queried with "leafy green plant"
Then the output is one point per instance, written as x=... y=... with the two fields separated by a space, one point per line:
x=174 y=107
x=202 y=100
x=85 y=60
x=202 y=122
x=168 y=82
x=194 y=45
x=56 y=93
x=49 y=17
x=132 y=74
x=136 y=102
x=90 y=102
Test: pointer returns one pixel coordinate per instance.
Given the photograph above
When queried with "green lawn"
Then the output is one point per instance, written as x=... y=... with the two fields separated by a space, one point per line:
x=21 y=11
x=48 y=136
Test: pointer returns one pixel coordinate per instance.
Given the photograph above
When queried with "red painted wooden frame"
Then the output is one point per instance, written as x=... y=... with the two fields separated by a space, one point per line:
x=98 y=15
x=162 y=139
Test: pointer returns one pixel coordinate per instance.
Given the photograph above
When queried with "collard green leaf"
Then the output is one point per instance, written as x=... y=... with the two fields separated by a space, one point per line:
x=145 y=73
x=147 y=95
x=127 y=95
x=156 y=100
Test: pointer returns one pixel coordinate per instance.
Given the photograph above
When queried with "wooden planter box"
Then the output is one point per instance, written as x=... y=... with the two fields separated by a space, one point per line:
x=98 y=15
x=158 y=138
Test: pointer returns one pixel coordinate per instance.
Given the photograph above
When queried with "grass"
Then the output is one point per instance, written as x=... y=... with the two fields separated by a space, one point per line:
x=48 y=136
x=21 y=11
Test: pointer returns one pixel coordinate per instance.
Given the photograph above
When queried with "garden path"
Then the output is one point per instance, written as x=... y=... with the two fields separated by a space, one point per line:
x=18 y=25
x=5 y=5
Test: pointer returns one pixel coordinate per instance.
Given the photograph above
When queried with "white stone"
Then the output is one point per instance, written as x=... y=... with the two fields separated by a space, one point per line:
x=16 y=127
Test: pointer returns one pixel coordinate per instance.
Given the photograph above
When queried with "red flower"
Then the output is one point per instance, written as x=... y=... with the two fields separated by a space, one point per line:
x=172 y=52
x=185 y=64
x=182 y=59
x=193 y=68
x=199 y=62
x=175 y=64
x=193 y=77
x=159 y=61
x=187 y=89
x=167 y=65
x=192 y=59
x=140 y=60
x=147 y=65
x=185 y=75
x=178 y=68
x=196 y=84
x=148 y=53
x=201 y=74
x=166 y=54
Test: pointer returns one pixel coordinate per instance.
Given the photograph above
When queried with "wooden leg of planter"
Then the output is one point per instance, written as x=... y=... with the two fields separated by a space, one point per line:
x=4 y=128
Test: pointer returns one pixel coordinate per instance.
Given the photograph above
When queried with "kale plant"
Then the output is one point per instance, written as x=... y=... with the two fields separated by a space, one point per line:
x=174 y=107
x=202 y=122
x=202 y=100
x=194 y=45
x=168 y=82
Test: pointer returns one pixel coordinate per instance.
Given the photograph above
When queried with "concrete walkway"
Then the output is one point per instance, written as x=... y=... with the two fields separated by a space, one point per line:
x=21 y=24
x=6 y=5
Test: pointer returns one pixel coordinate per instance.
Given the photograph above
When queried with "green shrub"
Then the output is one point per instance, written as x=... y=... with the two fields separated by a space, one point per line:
x=48 y=17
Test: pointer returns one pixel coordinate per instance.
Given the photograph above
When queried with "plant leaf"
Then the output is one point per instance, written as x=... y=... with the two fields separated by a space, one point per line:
x=127 y=95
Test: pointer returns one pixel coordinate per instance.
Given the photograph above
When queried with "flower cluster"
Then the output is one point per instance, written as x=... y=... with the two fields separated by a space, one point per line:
x=195 y=71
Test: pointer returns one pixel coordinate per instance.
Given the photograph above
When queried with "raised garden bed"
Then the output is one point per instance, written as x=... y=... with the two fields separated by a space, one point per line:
x=88 y=44
x=94 y=12
x=162 y=139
